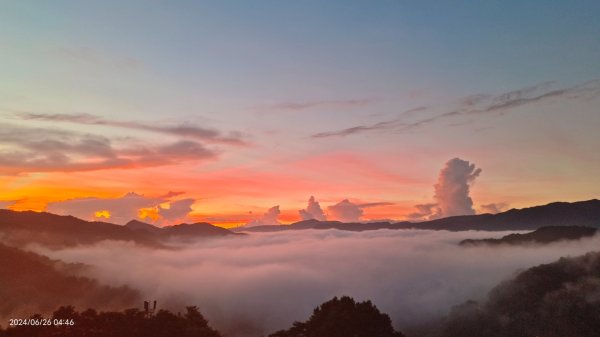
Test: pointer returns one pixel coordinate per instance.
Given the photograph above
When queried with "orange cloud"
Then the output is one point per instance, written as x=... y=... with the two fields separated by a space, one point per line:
x=102 y=214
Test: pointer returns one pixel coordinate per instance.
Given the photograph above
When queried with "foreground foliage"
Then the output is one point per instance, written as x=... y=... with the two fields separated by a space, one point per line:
x=130 y=323
x=343 y=317
x=551 y=300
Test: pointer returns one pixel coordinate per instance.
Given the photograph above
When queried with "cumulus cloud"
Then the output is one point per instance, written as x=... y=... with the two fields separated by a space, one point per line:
x=424 y=211
x=268 y=219
x=452 y=188
x=313 y=211
x=494 y=207
x=178 y=210
x=451 y=192
x=346 y=211
x=123 y=209
x=256 y=284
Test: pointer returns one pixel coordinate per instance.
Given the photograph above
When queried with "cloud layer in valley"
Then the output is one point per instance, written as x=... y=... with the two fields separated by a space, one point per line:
x=255 y=284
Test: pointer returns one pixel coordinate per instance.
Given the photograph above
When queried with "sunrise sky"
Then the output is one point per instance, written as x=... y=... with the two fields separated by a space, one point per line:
x=219 y=110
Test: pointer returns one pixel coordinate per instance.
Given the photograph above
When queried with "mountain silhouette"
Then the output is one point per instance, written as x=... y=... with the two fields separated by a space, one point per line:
x=21 y=228
x=35 y=283
x=554 y=300
x=136 y=225
x=198 y=229
x=542 y=235
x=581 y=213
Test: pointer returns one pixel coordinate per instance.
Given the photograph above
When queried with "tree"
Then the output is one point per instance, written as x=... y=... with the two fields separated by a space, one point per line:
x=343 y=317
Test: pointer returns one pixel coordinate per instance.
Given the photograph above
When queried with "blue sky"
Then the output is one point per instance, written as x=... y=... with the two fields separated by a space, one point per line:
x=279 y=72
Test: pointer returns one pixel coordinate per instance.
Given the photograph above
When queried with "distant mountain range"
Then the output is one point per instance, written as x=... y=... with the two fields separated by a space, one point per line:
x=20 y=228
x=542 y=235
x=181 y=231
x=581 y=213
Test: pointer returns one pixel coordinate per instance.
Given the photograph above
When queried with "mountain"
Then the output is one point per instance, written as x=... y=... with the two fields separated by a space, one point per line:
x=581 y=213
x=199 y=229
x=553 y=300
x=316 y=224
x=184 y=230
x=35 y=283
x=542 y=235
x=21 y=228
x=136 y=225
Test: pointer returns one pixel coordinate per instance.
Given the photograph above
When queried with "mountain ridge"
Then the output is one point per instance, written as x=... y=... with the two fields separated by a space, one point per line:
x=541 y=235
x=580 y=213
x=19 y=228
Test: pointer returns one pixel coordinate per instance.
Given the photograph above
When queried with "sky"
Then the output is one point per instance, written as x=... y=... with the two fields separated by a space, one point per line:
x=221 y=111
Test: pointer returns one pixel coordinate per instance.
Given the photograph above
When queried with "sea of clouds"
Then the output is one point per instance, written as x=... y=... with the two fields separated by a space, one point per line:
x=256 y=284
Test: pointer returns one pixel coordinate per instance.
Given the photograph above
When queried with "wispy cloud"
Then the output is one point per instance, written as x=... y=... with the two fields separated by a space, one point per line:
x=27 y=149
x=375 y=204
x=476 y=105
x=338 y=104
x=183 y=130
x=390 y=124
x=97 y=57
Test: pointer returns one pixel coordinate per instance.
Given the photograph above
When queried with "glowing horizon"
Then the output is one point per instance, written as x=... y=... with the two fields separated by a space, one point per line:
x=218 y=112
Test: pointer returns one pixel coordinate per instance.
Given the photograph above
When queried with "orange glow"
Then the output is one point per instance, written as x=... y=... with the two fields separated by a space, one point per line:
x=234 y=195
x=102 y=214
x=148 y=213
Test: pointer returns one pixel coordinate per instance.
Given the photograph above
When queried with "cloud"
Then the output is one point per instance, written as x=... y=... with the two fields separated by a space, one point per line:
x=53 y=150
x=424 y=212
x=172 y=194
x=346 y=103
x=476 y=105
x=494 y=208
x=452 y=188
x=375 y=204
x=256 y=284
x=313 y=211
x=391 y=124
x=451 y=192
x=346 y=211
x=119 y=210
x=178 y=210
x=123 y=209
x=184 y=130
x=98 y=57
x=5 y=204
x=268 y=219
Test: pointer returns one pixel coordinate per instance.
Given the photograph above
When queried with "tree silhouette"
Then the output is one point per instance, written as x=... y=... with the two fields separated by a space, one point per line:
x=131 y=323
x=343 y=317
x=551 y=300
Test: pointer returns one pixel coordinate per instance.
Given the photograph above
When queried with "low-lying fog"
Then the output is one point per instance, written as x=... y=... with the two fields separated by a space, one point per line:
x=256 y=284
